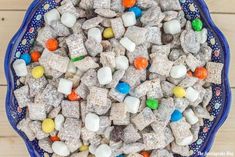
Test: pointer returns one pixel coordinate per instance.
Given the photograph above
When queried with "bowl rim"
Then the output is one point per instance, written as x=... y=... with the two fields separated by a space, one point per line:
x=203 y=8
x=204 y=12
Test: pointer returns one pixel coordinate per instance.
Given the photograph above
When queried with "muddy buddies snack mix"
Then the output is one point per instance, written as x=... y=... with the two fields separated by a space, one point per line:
x=119 y=78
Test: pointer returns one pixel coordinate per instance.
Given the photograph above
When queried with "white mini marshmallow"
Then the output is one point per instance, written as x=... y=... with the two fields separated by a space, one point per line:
x=71 y=68
x=129 y=19
x=92 y=122
x=60 y=148
x=59 y=121
x=65 y=86
x=20 y=67
x=132 y=104
x=104 y=75
x=122 y=62
x=178 y=71
x=95 y=33
x=172 y=27
x=103 y=151
x=192 y=94
x=68 y=19
x=190 y=116
x=128 y=44
x=52 y=15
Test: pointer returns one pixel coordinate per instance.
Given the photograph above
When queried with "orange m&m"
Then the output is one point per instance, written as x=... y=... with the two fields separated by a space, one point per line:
x=52 y=44
x=140 y=63
x=73 y=96
x=54 y=138
x=145 y=154
x=201 y=73
x=35 y=55
x=128 y=3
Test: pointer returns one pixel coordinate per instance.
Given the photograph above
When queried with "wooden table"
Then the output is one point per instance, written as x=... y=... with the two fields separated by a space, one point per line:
x=11 y=15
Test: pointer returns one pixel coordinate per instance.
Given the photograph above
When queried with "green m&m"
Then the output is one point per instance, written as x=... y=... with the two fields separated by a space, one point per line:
x=197 y=25
x=152 y=104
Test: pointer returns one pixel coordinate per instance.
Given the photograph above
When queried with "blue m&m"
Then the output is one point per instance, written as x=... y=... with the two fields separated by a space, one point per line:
x=136 y=10
x=123 y=88
x=121 y=155
x=176 y=116
x=26 y=57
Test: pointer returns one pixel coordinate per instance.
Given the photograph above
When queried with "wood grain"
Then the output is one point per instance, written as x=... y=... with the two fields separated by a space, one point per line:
x=5 y=128
x=8 y=28
x=14 y=4
x=221 y=6
x=12 y=147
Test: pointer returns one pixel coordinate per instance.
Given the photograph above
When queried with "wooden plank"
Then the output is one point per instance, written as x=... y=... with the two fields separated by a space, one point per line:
x=12 y=147
x=14 y=4
x=5 y=128
x=225 y=6
x=226 y=23
x=8 y=28
x=218 y=6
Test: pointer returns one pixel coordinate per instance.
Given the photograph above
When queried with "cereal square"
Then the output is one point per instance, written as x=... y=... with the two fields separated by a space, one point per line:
x=144 y=119
x=118 y=111
x=105 y=4
x=22 y=96
x=70 y=109
x=154 y=140
x=161 y=65
x=70 y=130
x=37 y=111
x=50 y=96
x=214 y=72
x=97 y=96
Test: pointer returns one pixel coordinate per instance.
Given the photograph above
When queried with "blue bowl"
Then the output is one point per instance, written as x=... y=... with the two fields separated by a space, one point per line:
x=219 y=105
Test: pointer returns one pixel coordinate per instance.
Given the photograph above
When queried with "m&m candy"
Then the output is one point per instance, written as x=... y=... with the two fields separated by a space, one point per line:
x=48 y=125
x=145 y=153
x=35 y=55
x=136 y=10
x=128 y=3
x=201 y=73
x=38 y=72
x=108 y=33
x=176 y=116
x=141 y=63
x=123 y=88
x=54 y=138
x=179 y=92
x=197 y=25
x=84 y=148
x=26 y=57
x=73 y=96
x=52 y=44
x=152 y=104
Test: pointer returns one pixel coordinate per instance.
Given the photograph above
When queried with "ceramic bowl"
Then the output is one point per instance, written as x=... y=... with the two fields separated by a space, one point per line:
x=219 y=105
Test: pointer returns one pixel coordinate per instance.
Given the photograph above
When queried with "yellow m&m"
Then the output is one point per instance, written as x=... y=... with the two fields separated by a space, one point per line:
x=38 y=72
x=108 y=33
x=84 y=148
x=179 y=92
x=48 y=125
